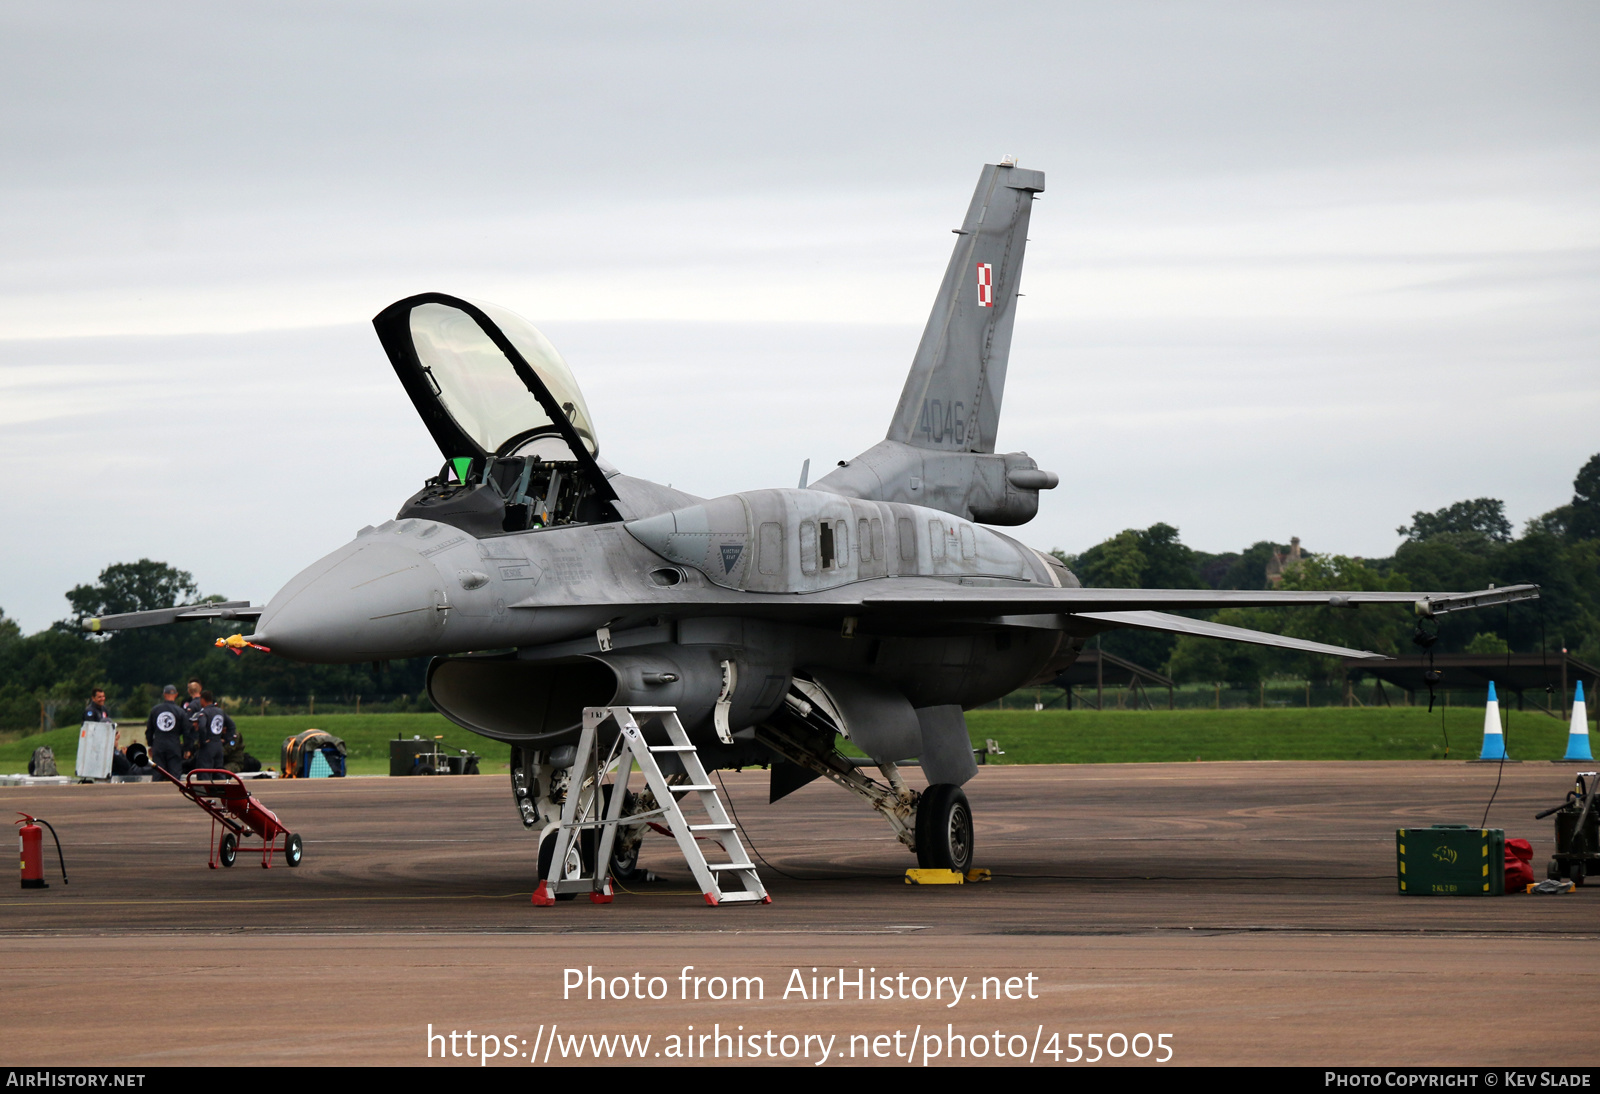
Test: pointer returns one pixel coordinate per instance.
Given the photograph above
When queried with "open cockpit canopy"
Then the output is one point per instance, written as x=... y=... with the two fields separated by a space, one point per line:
x=504 y=409
x=484 y=379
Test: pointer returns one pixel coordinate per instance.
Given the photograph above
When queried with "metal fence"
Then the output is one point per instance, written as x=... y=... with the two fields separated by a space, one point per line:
x=1277 y=695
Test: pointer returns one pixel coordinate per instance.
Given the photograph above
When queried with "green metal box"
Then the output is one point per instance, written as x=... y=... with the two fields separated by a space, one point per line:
x=1451 y=860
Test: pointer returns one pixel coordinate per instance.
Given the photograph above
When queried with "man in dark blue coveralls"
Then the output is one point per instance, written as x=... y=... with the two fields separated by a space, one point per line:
x=216 y=729
x=166 y=730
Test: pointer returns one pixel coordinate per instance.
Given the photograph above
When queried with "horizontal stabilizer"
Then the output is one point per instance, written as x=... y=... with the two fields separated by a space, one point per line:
x=156 y=617
x=1177 y=624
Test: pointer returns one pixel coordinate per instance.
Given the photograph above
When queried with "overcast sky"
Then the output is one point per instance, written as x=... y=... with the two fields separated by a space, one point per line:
x=1299 y=269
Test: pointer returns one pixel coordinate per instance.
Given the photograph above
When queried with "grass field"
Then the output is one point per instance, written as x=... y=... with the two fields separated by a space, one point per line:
x=1319 y=733
x=1053 y=736
x=366 y=738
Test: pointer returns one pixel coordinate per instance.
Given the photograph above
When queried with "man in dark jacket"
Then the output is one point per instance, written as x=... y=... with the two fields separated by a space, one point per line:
x=96 y=710
x=165 y=732
x=216 y=728
x=193 y=705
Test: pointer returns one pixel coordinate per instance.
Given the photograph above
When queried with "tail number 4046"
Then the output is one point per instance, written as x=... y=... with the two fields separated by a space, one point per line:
x=941 y=421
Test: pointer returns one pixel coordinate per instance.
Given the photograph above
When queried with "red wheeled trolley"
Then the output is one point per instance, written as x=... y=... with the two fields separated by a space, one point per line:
x=231 y=805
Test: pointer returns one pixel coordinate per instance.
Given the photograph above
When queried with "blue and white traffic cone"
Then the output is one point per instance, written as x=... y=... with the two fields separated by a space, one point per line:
x=1494 y=740
x=1578 y=738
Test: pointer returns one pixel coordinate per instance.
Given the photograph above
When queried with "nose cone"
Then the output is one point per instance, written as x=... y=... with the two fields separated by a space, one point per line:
x=365 y=602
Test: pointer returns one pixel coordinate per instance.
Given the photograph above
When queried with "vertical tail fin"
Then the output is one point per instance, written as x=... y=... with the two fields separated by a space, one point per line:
x=951 y=400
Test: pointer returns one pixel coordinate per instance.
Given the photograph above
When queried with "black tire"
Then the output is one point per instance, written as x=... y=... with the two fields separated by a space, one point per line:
x=1575 y=873
x=1554 y=872
x=547 y=854
x=944 y=829
x=228 y=850
x=293 y=850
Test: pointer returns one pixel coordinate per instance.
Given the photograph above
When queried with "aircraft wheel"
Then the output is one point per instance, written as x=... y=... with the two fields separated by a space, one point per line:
x=624 y=863
x=580 y=857
x=293 y=849
x=229 y=849
x=944 y=829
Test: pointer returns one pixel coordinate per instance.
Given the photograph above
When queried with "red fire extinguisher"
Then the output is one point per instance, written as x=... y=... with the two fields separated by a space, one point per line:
x=30 y=841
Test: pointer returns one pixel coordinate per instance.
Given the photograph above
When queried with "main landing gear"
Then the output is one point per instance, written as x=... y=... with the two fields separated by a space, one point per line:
x=936 y=824
x=944 y=829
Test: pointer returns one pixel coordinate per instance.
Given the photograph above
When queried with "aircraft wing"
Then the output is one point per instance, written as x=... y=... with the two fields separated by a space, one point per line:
x=924 y=597
x=227 y=609
x=1027 y=599
x=926 y=601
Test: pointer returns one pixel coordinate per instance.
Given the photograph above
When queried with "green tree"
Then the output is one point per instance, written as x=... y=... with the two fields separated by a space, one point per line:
x=1484 y=515
x=1487 y=642
x=132 y=587
x=1451 y=562
x=1380 y=628
x=1149 y=558
x=1117 y=563
x=1249 y=569
x=1213 y=660
x=1569 y=592
x=1584 y=521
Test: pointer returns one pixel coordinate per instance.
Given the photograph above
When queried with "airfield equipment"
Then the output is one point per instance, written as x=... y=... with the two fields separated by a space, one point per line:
x=302 y=752
x=97 y=741
x=612 y=738
x=877 y=603
x=425 y=756
x=1451 y=860
x=236 y=811
x=1577 y=830
x=30 y=842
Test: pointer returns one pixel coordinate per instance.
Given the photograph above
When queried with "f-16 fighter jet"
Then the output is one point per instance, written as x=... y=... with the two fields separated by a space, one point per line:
x=875 y=604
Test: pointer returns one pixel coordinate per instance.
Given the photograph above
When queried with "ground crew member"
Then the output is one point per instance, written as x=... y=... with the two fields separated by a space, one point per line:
x=215 y=730
x=193 y=705
x=96 y=710
x=234 y=757
x=165 y=730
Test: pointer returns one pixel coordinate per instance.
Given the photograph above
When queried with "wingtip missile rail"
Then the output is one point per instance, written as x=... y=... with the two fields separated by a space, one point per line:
x=1429 y=607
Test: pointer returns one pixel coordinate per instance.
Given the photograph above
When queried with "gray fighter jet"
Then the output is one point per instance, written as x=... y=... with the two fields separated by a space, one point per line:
x=875 y=604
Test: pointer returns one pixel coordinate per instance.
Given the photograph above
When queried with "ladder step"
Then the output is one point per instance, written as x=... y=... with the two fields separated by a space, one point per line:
x=576 y=818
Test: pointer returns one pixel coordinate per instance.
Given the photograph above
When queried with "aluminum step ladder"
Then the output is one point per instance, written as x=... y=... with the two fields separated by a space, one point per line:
x=731 y=882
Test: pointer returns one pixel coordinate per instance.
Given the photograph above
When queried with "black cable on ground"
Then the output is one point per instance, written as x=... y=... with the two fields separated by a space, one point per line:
x=59 y=855
x=1425 y=641
x=1505 y=731
x=729 y=799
